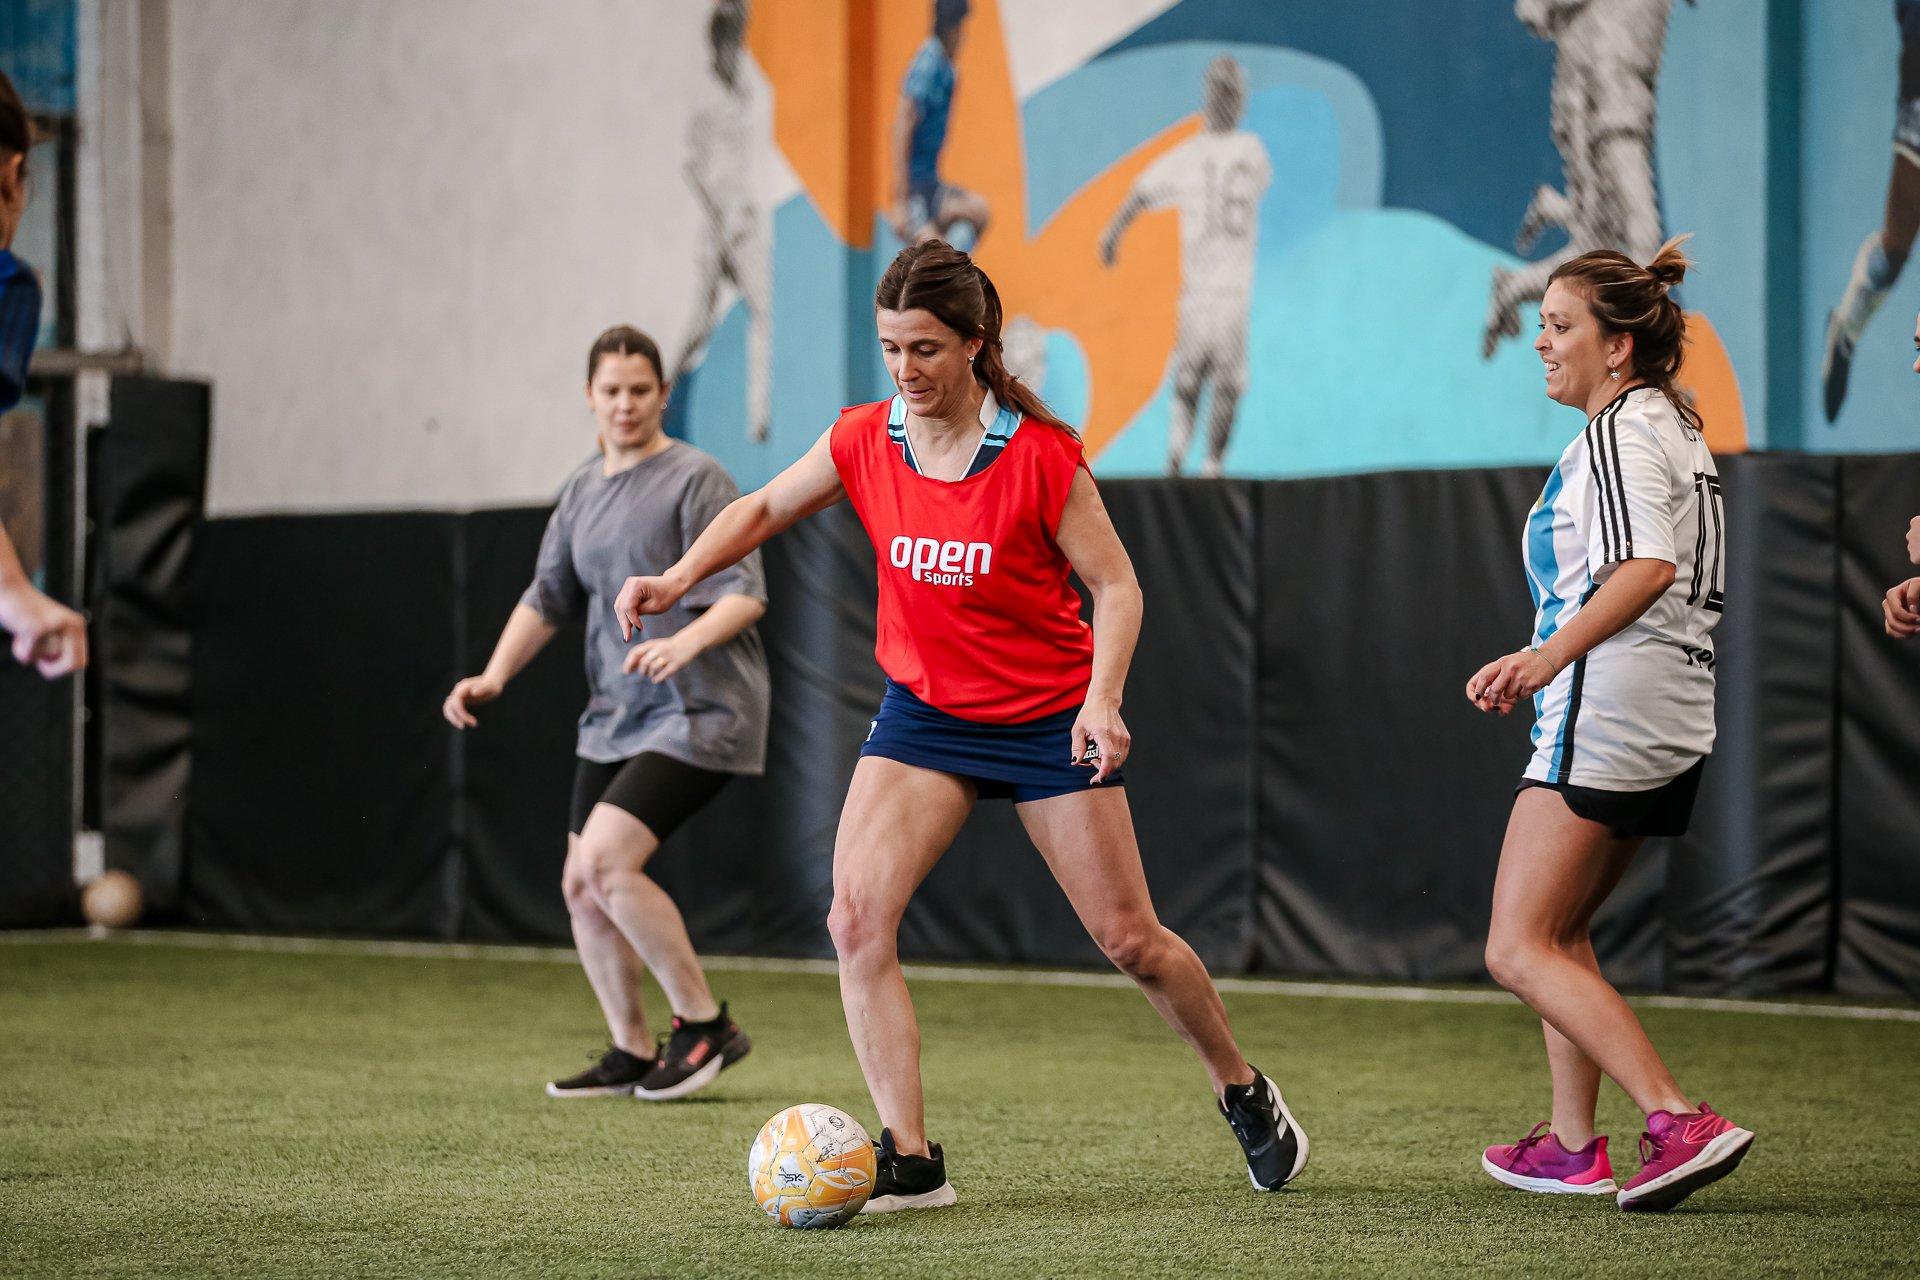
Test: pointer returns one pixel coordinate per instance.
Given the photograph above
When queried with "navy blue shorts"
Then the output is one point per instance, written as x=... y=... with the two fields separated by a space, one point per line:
x=1017 y=762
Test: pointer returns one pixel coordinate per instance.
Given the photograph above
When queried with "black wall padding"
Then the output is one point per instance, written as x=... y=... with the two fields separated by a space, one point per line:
x=1748 y=906
x=1189 y=705
x=1383 y=793
x=1312 y=792
x=150 y=467
x=1879 y=768
x=517 y=770
x=322 y=796
x=37 y=817
x=36 y=798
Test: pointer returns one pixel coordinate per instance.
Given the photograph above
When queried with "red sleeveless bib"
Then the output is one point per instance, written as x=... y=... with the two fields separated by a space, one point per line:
x=976 y=614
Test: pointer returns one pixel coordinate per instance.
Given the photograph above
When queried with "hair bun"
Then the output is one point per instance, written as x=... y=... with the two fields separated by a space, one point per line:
x=1669 y=266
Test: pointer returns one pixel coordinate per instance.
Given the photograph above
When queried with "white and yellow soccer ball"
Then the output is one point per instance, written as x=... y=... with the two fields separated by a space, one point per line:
x=811 y=1166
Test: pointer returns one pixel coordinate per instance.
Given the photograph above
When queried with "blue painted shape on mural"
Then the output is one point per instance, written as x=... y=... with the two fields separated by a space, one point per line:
x=1081 y=125
x=1367 y=358
x=1069 y=385
x=1303 y=136
x=1852 y=68
x=1711 y=156
x=38 y=39
x=1462 y=88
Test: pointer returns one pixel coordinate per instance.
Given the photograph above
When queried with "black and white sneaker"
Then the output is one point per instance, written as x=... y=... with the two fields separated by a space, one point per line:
x=613 y=1076
x=1276 y=1146
x=693 y=1057
x=908 y=1182
x=1835 y=363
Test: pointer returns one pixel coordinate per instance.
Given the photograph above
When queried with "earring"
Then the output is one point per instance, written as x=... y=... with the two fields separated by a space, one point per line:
x=1614 y=374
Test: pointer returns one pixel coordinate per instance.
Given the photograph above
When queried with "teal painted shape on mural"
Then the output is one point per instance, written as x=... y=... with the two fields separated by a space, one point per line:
x=1363 y=352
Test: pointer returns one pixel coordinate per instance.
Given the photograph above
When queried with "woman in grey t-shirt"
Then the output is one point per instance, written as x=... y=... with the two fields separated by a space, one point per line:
x=668 y=720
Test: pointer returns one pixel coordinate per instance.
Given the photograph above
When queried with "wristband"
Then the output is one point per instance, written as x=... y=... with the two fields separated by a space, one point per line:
x=1535 y=649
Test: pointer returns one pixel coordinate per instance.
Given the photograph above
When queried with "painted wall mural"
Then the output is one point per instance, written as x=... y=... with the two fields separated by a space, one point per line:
x=1255 y=240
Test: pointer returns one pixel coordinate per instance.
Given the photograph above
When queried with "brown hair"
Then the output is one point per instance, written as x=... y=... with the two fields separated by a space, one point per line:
x=934 y=276
x=16 y=126
x=624 y=340
x=1628 y=298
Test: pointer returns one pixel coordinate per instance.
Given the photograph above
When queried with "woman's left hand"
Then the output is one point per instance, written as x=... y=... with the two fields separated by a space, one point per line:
x=661 y=658
x=1099 y=723
x=1505 y=681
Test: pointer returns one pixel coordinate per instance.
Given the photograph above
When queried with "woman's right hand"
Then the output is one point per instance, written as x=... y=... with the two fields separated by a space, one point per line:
x=641 y=596
x=470 y=692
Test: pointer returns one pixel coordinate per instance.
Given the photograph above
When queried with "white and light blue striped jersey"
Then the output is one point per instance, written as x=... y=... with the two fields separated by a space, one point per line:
x=1000 y=424
x=1637 y=710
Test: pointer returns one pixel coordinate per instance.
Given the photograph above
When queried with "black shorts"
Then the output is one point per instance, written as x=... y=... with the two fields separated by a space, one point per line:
x=1664 y=810
x=659 y=790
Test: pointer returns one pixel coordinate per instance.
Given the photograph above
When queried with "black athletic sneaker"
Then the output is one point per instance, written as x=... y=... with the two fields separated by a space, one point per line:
x=1275 y=1145
x=908 y=1182
x=614 y=1075
x=1835 y=362
x=693 y=1056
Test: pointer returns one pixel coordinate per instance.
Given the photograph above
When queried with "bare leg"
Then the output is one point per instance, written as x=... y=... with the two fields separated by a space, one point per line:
x=1551 y=867
x=1903 y=211
x=897 y=822
x=613 y=967
x=1087 y=839
x=959 y=206
x=615 y=847
x=1576 y=1077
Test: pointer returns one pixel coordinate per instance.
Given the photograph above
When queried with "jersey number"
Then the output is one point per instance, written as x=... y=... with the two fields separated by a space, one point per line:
x=1709 y=589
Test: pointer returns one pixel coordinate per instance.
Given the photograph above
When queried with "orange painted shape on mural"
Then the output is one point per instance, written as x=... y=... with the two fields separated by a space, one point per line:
x=1122 y=316
x=807 y=50
x=1708 y=373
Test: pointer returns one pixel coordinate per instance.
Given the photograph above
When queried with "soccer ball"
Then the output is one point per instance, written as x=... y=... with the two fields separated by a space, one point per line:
x=811 y=1166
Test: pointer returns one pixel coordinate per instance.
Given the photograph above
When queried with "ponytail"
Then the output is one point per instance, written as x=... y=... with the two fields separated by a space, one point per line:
x=990 y=366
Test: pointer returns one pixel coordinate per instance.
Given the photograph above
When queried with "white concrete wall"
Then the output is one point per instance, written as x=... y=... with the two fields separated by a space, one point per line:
x=398 y=226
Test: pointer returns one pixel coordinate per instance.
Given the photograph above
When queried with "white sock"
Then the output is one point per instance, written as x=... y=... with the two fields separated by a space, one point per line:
x=1867 y=288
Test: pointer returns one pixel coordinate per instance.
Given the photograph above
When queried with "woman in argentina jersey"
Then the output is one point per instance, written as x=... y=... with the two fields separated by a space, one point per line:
x=1624 y=558
x=979 y=505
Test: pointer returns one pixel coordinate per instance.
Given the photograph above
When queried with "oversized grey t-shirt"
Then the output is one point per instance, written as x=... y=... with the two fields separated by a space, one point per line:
x=713 y=714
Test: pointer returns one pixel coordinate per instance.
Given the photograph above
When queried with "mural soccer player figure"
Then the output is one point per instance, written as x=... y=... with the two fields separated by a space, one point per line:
x=1216 y=180
x=1605 y=75
x=1023 y=349
x=1884 y=252
x=924 y=207
x=739 y=248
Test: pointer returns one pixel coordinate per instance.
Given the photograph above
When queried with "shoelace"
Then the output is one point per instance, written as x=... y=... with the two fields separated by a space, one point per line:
x=679 y=1044
x=1535 y=1136
x=1650 y=1148
x=1241 y=1129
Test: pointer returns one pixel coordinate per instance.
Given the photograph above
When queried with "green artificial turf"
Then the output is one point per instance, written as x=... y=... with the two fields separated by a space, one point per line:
x=169 y=1111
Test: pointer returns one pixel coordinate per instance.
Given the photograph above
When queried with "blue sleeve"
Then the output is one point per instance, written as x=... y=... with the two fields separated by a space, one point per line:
x=19 y=326
x=922 y=85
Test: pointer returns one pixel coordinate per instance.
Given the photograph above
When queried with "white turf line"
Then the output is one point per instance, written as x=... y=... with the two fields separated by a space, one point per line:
x=917 y=972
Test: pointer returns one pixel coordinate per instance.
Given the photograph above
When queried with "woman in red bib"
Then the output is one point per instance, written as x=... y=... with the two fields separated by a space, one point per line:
x=979 y=504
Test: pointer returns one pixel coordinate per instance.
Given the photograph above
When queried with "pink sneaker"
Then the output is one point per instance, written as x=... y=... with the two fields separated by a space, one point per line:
x=1679 y=1154
x=1539 y=1163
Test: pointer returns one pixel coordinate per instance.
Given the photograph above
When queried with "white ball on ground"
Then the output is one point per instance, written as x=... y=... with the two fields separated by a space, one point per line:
x=111 y=900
